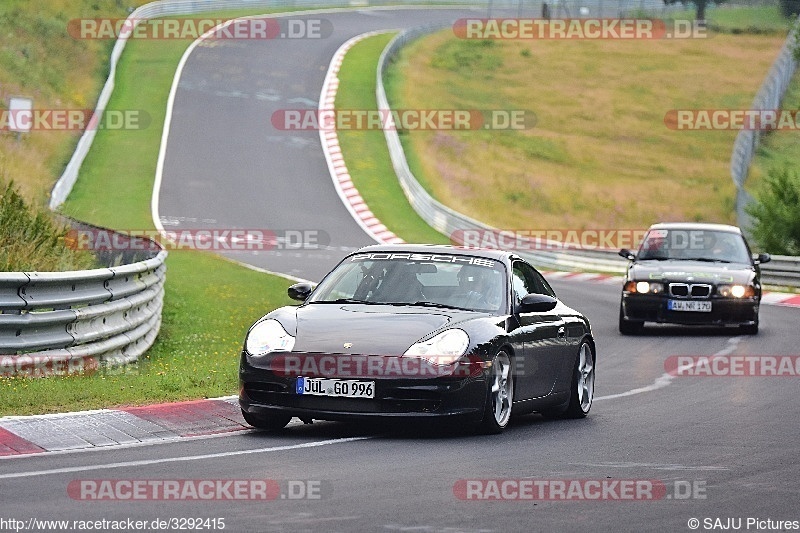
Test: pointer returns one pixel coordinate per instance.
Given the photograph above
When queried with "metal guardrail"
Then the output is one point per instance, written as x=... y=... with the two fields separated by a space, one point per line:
x=781 y=271
x=55 y=323
x=768 y=97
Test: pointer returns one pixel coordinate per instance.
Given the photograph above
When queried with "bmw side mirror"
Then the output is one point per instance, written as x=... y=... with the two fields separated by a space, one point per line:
x=537 y=303
x=627 y=254
x=760 y=259
x=300 y=291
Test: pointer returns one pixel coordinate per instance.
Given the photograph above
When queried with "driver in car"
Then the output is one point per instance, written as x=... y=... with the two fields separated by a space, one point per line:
x=478 y=287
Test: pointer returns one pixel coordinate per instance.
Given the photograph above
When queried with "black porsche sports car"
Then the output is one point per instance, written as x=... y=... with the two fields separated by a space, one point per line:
x=420 y=331
x=691 y=273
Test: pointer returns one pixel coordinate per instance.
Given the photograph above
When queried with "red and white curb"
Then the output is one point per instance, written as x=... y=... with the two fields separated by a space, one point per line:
x=767 y=297
x=124 y=426
x=342 y=181
x=780 y=298
x=608 y=279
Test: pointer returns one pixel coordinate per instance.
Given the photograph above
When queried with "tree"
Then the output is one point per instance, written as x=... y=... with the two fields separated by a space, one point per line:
x=701 y=6
x=776 y=213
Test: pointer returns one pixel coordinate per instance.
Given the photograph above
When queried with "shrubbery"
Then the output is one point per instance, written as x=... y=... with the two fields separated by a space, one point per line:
x=30 y=240
x=776 y=213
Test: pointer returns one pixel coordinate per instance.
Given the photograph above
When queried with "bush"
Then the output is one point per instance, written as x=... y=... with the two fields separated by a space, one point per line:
x=776 y=213
x=30 y=240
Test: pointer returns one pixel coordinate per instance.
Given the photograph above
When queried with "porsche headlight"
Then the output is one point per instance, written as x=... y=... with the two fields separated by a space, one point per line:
x=268 y=336
x=736 y=291
x=442 y=349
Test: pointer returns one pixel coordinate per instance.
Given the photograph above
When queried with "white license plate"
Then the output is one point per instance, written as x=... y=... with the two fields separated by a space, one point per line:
x=688 y=305
x=348 y=388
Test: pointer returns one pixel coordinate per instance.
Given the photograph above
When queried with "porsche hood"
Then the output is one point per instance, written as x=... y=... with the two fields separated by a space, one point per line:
x=367 y=329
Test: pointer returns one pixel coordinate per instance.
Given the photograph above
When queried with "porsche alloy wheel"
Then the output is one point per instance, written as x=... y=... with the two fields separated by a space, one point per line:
x=500 y=397
x=582 y=389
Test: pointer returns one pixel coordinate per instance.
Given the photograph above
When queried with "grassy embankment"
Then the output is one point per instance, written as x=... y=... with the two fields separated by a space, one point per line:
x=600 y=155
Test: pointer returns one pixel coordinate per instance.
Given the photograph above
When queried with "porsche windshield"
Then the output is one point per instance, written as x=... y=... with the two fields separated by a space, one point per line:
x=447 y=281
x=694 y=245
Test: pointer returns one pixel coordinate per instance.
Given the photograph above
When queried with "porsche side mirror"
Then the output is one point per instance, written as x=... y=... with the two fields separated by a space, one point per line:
x=627 y=254
x=537 y=303
x=300 y=291
x=760 y=259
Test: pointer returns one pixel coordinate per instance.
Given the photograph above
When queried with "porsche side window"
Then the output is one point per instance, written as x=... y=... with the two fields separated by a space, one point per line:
x=525 y=280
x=540 y=285
x=518 y=285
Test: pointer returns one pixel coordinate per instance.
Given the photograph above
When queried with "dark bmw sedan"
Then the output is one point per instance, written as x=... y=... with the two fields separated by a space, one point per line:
x=420 y=331
x=685 y=273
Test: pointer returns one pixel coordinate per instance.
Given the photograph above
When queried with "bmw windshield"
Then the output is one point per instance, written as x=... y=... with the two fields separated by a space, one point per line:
x=694 y=245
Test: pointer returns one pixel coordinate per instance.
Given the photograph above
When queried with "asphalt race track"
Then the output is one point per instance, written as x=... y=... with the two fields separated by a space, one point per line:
x=729 y=443
x=720 y=447
x=227 y=167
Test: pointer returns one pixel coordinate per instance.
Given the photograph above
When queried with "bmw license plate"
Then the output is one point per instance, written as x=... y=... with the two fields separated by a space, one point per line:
x=689 y=305
x=348 y=388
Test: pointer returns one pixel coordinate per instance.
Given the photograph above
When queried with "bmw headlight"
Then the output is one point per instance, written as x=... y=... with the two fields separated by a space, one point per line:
x=736 y=291
x=268 y=336
x=442 y=349
x=644 y=287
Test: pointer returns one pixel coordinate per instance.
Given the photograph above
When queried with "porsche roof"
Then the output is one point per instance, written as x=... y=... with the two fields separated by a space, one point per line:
x=498 y=255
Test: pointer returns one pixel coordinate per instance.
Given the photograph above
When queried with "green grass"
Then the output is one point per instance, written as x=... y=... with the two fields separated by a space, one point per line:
x=366 y=153
x=41 y=61
x=116 y=181
x=727 y=19
x=748 y=20
x=600 y=145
